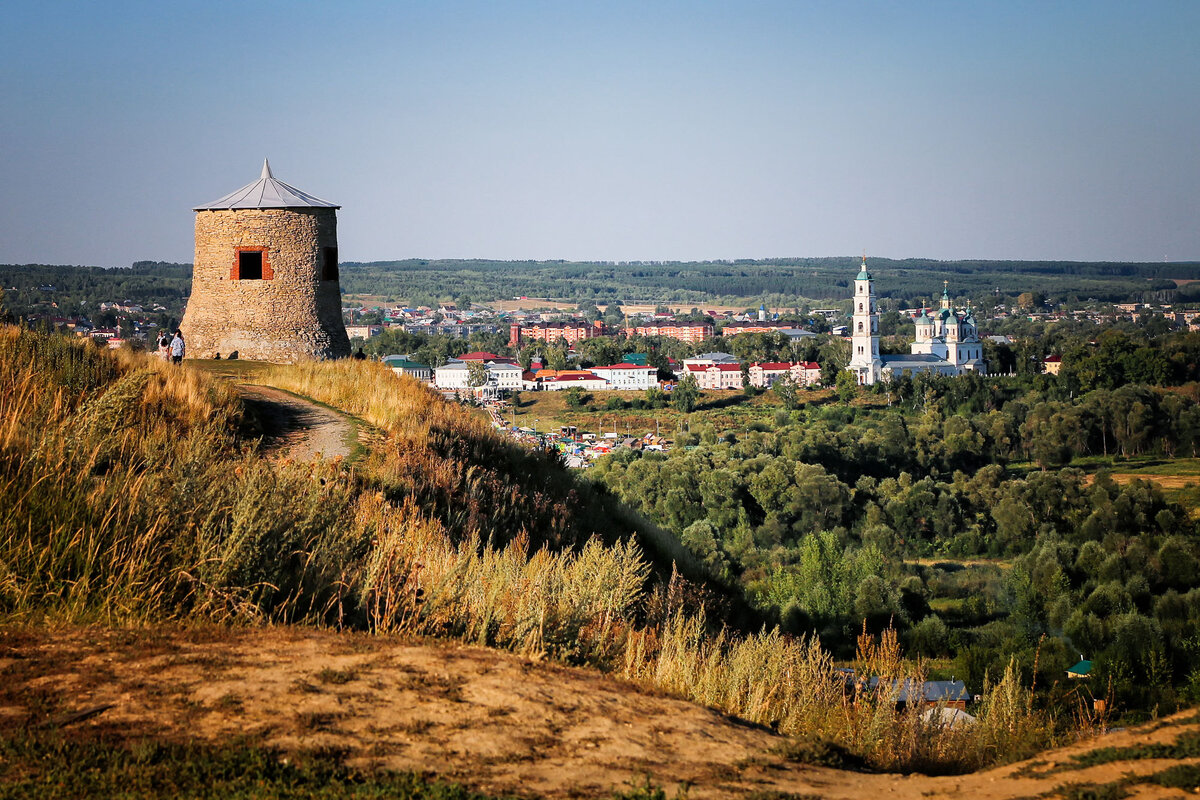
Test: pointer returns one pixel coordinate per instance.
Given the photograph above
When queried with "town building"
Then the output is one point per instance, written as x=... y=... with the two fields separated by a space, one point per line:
x=561 y=380
x=1052 y=364
x=683 y=331
x=569 y=332
x=363 y=331
x=786 y=328
x=456 y=375
x=403 y=366
x=716 y=376
x=801 y=373
x=626 y=376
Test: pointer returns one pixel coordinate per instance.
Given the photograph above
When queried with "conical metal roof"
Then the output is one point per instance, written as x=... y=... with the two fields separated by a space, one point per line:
x=266 y=192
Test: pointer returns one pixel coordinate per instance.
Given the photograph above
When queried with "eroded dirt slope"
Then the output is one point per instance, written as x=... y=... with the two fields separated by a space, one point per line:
x=493 y=720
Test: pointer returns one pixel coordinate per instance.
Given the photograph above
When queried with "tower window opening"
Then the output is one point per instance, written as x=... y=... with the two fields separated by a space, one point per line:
x=860 y=306
x=860 y=327
x=251 y=264
x=329 y=264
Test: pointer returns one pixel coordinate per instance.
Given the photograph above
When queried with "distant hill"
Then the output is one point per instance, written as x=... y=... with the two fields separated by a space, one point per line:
x=779 y=282
x=784 y=281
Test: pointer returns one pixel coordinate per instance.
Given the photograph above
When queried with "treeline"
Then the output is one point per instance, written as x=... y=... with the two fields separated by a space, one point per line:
x=79 y=290
x=788 y=282
x=781 y=282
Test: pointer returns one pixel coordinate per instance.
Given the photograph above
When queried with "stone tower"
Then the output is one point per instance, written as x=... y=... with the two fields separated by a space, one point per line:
x=265 y=277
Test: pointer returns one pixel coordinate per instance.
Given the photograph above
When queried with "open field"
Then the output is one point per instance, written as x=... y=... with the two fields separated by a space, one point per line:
x=1178 y=478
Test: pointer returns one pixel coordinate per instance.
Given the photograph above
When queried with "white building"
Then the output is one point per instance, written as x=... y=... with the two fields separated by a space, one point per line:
x=629 y=377
x=865 y=362
x=947 y=343
x=456 y=375
x=950 y=335
x=453 y=375
x=584 y=380
x=506 y=377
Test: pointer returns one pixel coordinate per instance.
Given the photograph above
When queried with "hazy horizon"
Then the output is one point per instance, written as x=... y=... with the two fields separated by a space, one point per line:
x=621 y=132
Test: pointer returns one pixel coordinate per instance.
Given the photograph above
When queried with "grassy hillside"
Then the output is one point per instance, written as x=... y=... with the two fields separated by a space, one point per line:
x=134 y=494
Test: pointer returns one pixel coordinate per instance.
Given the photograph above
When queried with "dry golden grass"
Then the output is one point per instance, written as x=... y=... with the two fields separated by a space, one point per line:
x=129 y=496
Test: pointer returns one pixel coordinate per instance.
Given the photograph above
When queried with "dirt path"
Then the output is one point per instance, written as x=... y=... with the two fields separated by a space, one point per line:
x=296 y=428
x=492 y=720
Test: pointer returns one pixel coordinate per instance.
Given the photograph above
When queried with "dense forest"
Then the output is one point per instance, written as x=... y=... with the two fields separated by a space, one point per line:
x=832 y=514
x=71 y=288
x=778 y=282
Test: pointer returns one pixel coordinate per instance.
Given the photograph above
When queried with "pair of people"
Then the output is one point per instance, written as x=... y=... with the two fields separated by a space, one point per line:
x=171 y=348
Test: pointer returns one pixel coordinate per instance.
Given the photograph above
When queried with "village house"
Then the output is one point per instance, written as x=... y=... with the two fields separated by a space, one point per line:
x=801 y=373
x=626 y=376
x=403 y=366
x=502 y=376
x=559 y=380
x=363 y=331
x=716 y=376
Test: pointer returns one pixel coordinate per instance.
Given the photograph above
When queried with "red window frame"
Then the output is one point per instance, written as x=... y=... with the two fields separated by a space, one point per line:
x=235 y=271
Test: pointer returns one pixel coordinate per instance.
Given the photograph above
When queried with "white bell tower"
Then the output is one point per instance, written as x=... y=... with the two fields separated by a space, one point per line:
x=864 y=340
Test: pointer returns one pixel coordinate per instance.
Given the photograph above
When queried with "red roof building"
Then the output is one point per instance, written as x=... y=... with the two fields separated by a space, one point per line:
x=716 y=376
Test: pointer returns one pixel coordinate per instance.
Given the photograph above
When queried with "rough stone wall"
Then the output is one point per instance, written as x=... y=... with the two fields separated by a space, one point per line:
x=293 y=315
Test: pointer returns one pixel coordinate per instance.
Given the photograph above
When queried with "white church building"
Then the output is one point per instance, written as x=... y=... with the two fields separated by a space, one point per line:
x=947 y=342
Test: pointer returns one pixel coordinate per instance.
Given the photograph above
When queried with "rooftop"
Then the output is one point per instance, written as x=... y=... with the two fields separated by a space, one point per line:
x=266 y=192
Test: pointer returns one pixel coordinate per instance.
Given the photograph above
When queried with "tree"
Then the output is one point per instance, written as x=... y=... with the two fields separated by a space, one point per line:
x=575 y=397
x=588 y=311
x=686 y=394
x=787 y=392
x=476 y=374
x=556 y=357
x=846 y=386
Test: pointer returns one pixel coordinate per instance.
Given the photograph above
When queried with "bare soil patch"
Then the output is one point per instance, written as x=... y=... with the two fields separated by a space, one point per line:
x=495 y=721
x=296 y=428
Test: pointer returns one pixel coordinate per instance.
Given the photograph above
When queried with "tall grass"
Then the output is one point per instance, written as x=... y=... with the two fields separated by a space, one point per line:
x=126 y=494
x=455 y=466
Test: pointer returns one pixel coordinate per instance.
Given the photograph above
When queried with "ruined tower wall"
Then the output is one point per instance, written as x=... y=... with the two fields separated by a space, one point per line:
x=289 y=315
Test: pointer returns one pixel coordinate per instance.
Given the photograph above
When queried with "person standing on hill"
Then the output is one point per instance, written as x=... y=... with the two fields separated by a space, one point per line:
x=164 y=346
x=177 y=347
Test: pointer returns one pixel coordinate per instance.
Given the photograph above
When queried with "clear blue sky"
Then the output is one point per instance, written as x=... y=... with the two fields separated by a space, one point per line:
x=610 y=130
